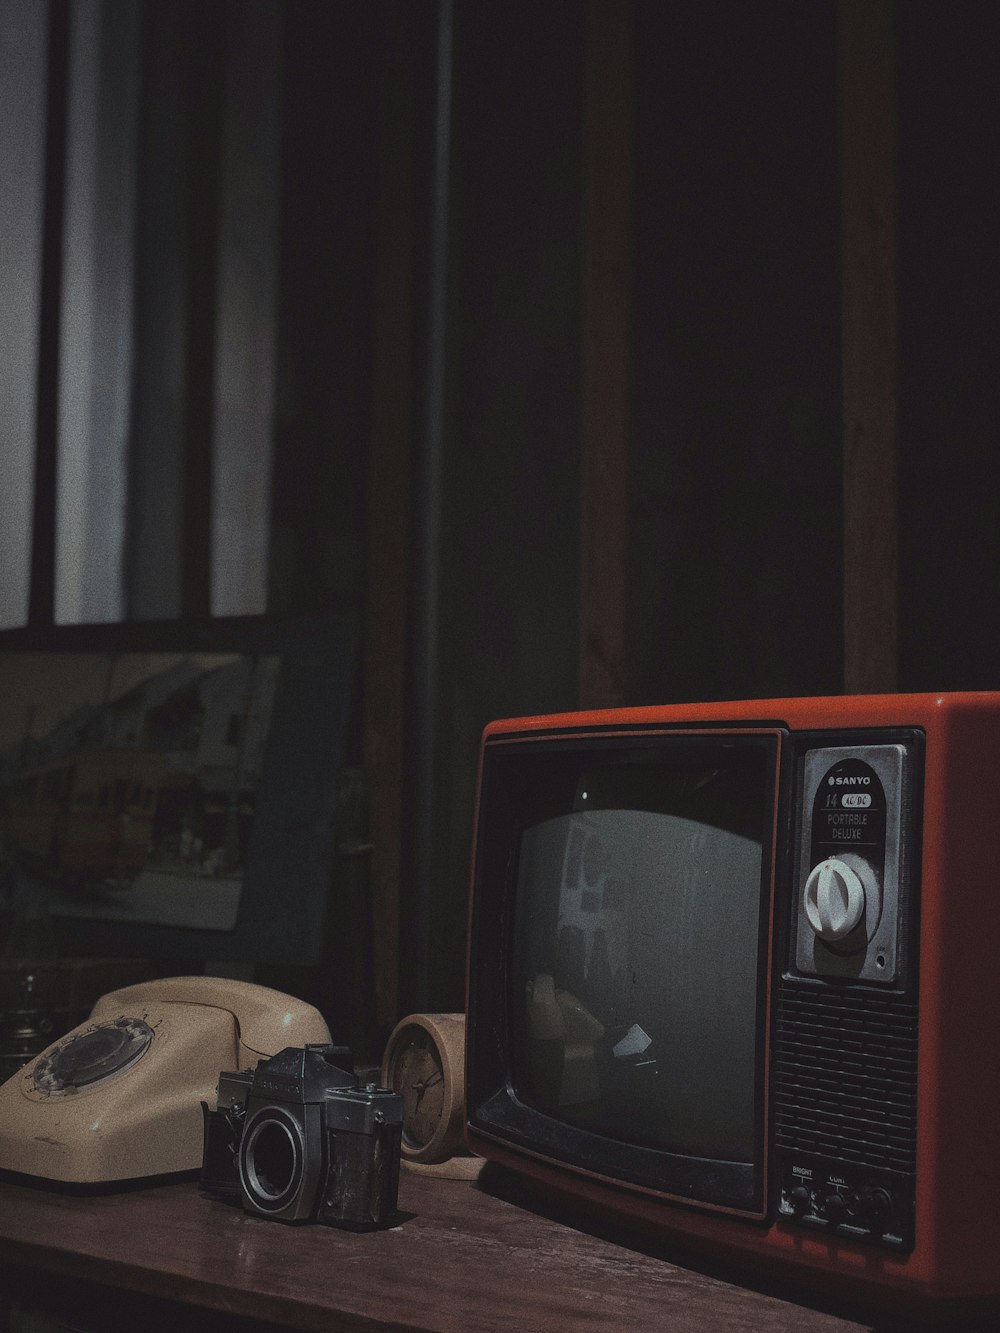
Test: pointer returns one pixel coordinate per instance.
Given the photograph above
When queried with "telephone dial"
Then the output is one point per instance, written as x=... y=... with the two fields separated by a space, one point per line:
x=119 y=1098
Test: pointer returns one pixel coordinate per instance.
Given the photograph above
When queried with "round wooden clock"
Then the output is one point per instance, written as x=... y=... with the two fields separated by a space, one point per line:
x=424 y=1062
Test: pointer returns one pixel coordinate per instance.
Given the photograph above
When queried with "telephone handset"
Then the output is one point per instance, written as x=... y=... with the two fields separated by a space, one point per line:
x=119 y=1098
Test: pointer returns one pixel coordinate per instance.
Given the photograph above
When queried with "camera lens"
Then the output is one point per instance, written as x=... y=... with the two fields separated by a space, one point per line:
x=271 y=1159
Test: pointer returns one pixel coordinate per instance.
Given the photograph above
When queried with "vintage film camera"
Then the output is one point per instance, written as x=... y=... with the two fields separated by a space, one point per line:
x=298 y=1139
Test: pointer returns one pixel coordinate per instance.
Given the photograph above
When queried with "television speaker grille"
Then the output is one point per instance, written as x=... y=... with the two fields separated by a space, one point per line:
x=846 y=1077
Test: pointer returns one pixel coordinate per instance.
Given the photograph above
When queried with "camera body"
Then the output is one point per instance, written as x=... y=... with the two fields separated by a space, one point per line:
x=299 y=1140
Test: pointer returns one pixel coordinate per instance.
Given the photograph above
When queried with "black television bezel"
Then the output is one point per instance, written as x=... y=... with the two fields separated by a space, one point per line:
x=493 y=1107
x=288 y=879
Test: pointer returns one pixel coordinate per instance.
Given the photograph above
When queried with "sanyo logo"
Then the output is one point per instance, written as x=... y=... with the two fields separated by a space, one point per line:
x=849 y=782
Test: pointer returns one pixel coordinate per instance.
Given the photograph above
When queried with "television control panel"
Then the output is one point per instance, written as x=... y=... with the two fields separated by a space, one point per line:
x=855 y=1202
x=846 y=1025
x=850 y=857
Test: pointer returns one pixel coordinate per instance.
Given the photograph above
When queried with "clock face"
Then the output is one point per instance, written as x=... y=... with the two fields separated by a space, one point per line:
x=416 y=1074
x=424 y=1063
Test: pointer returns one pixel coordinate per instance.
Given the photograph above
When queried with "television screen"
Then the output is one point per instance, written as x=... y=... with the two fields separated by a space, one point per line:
x=638 y=900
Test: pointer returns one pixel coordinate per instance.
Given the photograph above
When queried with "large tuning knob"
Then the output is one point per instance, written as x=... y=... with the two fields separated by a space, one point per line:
x=834 y=899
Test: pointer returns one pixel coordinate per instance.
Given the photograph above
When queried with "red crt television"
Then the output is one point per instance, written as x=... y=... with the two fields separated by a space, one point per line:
x=733 y=974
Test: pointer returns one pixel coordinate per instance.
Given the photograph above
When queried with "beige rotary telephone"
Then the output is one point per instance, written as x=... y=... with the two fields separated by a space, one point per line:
x=119 y=1098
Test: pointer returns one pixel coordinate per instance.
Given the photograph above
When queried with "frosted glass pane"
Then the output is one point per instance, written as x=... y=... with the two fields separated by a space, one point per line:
x=96 y=326
x=23 y=34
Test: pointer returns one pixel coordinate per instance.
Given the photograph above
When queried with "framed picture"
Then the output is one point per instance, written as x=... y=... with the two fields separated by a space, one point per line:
x=169 y=790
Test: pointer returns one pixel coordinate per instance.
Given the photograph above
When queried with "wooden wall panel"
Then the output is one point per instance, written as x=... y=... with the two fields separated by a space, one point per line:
x=606 y=344
x=389 y=499
x=868 y=183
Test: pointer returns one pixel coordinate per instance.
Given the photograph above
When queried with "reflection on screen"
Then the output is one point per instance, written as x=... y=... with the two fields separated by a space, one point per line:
x=636 y=945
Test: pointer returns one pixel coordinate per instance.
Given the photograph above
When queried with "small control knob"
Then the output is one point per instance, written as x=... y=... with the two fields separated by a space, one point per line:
x=835 y=1207
x=875 y=1207
x=800 y=1199
x=834 y=899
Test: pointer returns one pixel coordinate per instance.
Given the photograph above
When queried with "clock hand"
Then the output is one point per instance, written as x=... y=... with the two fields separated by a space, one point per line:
x=422 y=1085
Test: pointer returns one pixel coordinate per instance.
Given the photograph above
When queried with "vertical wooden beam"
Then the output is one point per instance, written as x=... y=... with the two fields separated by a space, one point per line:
x=606 y=342
x=389 y=489
x=868 y=180
x=42 y=595
x=169 y=512
x=417 y=979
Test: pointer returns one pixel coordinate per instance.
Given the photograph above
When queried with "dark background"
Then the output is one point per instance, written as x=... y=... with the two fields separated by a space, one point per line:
x=432 y=265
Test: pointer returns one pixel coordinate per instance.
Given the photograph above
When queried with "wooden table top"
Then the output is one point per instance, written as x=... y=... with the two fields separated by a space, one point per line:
x=463 y=1257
